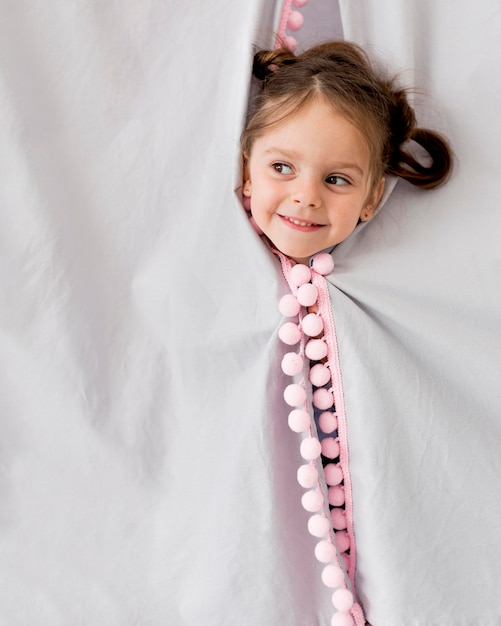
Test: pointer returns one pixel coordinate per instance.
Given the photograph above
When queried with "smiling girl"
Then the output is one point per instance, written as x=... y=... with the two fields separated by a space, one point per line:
x=325 y=132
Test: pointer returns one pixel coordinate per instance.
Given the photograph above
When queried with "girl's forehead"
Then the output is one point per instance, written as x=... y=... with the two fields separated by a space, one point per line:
x=316 y=121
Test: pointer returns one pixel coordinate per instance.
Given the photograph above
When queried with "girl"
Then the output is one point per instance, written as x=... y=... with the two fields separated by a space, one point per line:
x=326 y=131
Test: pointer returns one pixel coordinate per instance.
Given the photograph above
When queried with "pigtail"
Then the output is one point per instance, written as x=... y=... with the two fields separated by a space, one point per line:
x=401 y=162
x=266 y=62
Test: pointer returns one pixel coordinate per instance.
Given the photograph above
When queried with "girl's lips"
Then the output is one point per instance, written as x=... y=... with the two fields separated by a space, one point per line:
x=300 y=224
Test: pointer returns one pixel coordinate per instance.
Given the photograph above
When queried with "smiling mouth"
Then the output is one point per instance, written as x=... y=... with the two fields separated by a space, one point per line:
x=297 y=222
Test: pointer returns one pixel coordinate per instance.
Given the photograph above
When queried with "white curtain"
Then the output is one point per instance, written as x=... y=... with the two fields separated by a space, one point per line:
x=417 y=298
x=147 y=471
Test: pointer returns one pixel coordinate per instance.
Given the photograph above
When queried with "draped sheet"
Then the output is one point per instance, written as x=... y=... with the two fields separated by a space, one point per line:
x=147 y=471
x=417 y=299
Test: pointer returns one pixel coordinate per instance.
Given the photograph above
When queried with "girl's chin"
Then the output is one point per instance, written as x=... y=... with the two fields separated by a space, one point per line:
x=299 y=256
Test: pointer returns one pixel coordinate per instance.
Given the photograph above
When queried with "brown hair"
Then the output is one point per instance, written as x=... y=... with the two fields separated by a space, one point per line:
x=342 y=74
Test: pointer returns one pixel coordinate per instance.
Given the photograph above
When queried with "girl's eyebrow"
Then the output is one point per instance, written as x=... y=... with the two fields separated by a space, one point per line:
x=292 y=154
x=289 y=154
x=348 y=166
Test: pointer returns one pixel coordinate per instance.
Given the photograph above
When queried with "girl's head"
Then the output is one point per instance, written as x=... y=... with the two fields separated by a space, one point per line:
x=316 y=114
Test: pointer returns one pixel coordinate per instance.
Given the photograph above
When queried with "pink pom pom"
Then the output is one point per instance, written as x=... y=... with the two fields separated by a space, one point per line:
x=291 y=43
x=330 y=447
x=318 y=525
x=289 y=333
x=307 y=476
x=246 y=203
x=319 y=375
x=342 y=619
x=342 y=540
x=327 y=421
x=325 y=551
x=323 y=399
x=288 y=305
x=312 y=501
x=312 y=324
x=316 y=349
x=336 y=495
x=332 y=576
x=338 y=518
x=295 y=20
x=342 y=599
x=333 y=474
x=299 y=420
x=307 y=294
x=299 y=3
x=310 y=448
x=292 y=363
x=323 y=263
x=300 y=274
x=294 y=395
x=255 y=226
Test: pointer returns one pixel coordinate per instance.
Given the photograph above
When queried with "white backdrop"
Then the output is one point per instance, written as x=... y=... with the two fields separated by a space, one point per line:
x=147 y=472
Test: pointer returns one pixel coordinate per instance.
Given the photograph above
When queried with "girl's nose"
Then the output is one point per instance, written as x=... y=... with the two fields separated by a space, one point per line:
x=306 y=193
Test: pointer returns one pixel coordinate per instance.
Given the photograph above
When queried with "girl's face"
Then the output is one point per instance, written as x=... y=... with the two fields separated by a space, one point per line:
x=309 y=181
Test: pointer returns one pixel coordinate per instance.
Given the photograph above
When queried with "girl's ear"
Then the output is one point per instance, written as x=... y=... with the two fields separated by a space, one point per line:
x=247 y=189
x=370 y=208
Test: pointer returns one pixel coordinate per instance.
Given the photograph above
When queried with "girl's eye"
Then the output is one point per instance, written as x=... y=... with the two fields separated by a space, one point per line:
x=282 y=168
x=336 y=180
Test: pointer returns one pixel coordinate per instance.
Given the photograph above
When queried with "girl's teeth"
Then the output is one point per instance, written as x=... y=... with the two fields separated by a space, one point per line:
x=298 y=223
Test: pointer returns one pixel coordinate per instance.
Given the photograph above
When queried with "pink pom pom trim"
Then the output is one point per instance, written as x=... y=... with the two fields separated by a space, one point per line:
x=342 y=619
x=323 y=399
x=330 y=447
x=333 y=474
x=288 y=305
x=312 y=500
x=310 y=448
x=290 y=42
x=336 y=495
x=342 y=599
x=332 y=576
x=327 y=421
x=338 y=517
x=323 y=263
x=307 y=294
x=312 y=325
x=295 y=21
x=299 y=420
x=289 y=333
x=342 y=541
x=300 y=274
x=314 y=332
x=320 y=376
x=294 y=395
x=318 y=525
x=307 y=475
x=316 y=349
x=325 y=551
x=292 y=363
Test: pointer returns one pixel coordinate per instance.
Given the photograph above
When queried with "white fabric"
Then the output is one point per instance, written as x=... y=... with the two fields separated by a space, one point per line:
x=147 y=472
x=143 y=479
x=417 y=304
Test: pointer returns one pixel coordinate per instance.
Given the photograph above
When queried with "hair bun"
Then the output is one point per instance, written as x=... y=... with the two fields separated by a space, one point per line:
x=266 y=62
